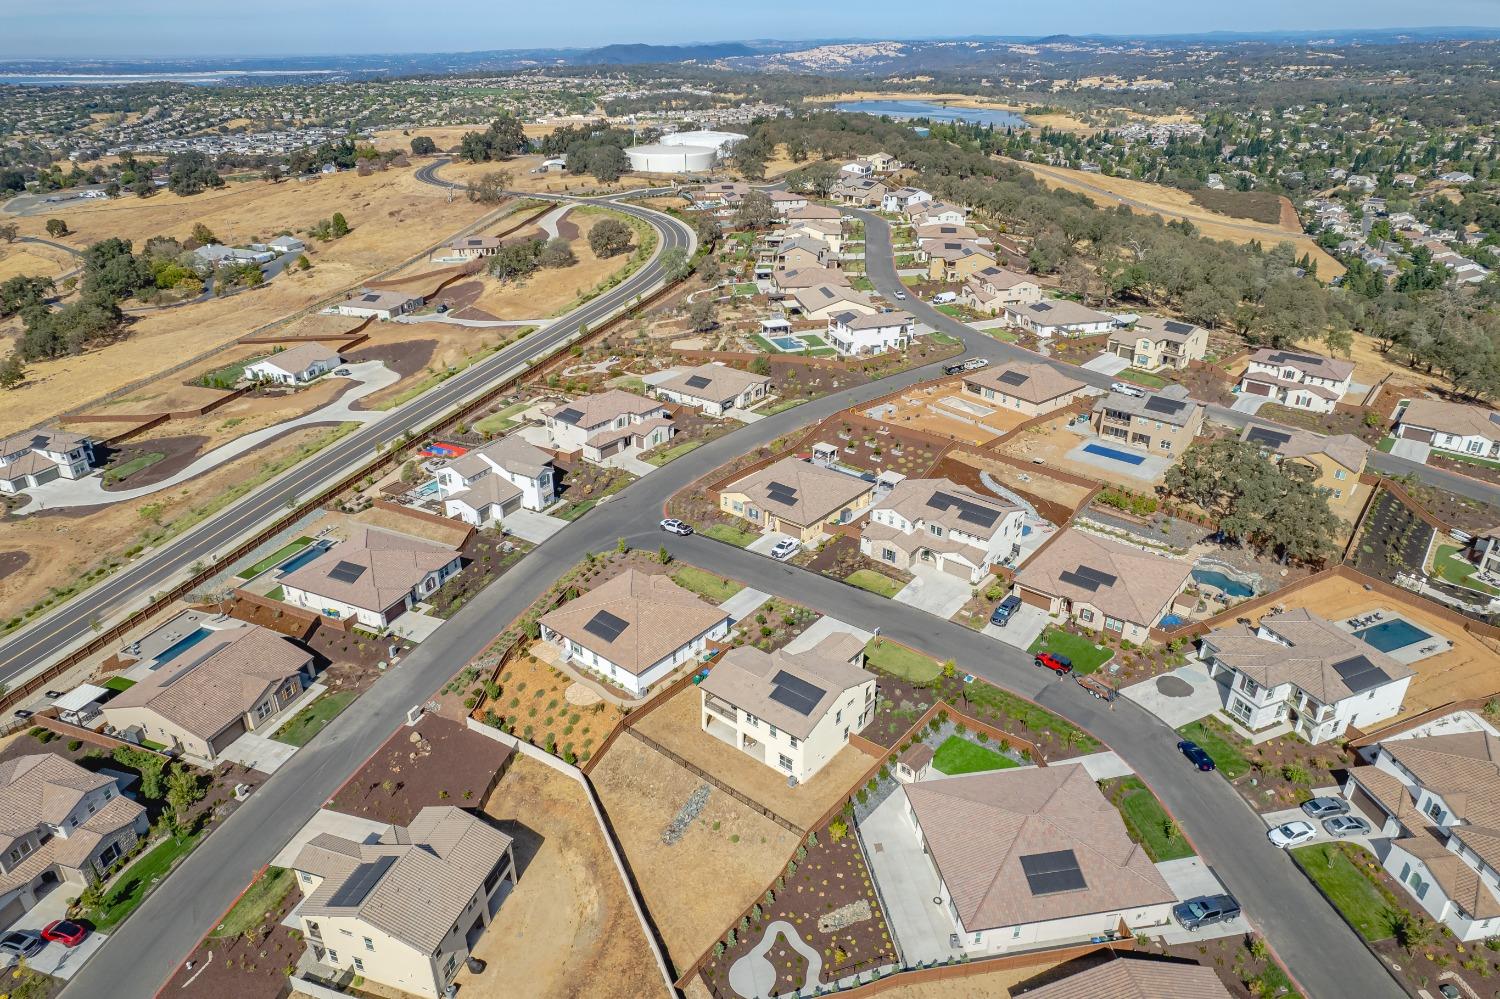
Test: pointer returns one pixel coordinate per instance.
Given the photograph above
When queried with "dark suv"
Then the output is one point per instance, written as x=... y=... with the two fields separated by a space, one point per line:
x=1205 y=910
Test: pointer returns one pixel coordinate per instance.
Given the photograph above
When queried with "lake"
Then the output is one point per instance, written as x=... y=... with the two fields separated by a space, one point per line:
x=936 y=112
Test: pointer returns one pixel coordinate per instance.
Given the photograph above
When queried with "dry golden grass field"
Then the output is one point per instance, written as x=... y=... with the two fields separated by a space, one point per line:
x=33 y=259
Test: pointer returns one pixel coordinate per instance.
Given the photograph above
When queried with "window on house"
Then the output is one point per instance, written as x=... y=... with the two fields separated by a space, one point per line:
x=935 y=530
x=333 y=957
x=1114 y=624
x=1437 y=811
x=1084 y=614
x=1339 y=473
x=751 y=720
x=369 y=944
x=359 y=964
x=785 y=761
x=838 y=716
x=794 y=741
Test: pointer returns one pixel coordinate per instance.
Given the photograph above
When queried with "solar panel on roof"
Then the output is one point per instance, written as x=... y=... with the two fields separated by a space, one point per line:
x=569 y=415
x=1015 y=377
x=1156 y=404
x=1173 y=326
x=1270 y=438
x=1086 y=578
x=970 y=513
x=1098 y=575
x=1041 y=307
x=1050 y=873
x=1281 y=357
x=699 y=381
x=795 y=692
x=346 y=572
x=370 y=297
x=1359 y=674
x=606 y=626
x=361 y=881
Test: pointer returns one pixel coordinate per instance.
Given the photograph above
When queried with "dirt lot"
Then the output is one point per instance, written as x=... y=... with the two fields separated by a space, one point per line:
x=550 y=291
x=940 y=408
x=725 y=858
x=677 y=725
x=568 y=928
x=522 y=179
x=1051 y=441
x=1033 y=482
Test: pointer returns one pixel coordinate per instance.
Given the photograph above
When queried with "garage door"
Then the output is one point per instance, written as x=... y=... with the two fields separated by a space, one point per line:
x=1256 y=388
x=954 y=567
x=1421 y=434
x=1367 y=804
x=1034 y=599
x=12 y=912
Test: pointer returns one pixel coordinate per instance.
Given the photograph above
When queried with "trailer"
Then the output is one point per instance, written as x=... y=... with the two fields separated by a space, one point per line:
x=1096 y=686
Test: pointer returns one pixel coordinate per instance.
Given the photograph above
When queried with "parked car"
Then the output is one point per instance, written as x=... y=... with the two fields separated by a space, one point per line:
x=1205 y=910
x=674 y=526
x=1125 y=388
x=784 y=549
x=1346 y=825
x=342 y=372
x=65 y=932
x=944 y=297
x=1196 y=754
x=900 y=296
x=1291 y=834
x=22 y=714
x=53 y=695
x=1006 y=610
x=975 y=363
x=1061 y=665
x=442 y=308
x=953 y=369
x=1449 y=991
x=1325 y=807
x=18 y=944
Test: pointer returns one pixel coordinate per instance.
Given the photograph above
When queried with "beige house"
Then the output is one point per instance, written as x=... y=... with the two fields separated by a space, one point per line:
x=605 y=424
x=1025 y=387
x=1154 y=343
x=938 y=525
x=407 y=909
x=796 y=498
x=810 y=212
x=234 y=681
x=379 y=304
x=374 y=577
x=863 y=192
x=994 y=289
x=792 y=712
x=786 y=282
x=295 y=365
x=635 y=629
x=59 y=825
x=1032 y=857
x=956 y=259
x=935 y=213
x=944 y=230
x=829 y=232
x=1451 y=426
x=714 y=388
x=1102 y=584
x=802 y=252
x=471 y=247
x=824 y=301
x=1336 y=462
x=1058 y=317
x=1164 y=422
x=1133 y=977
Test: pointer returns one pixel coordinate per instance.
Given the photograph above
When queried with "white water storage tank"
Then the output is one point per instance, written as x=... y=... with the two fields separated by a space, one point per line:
x=658 y=158
x=722 y=141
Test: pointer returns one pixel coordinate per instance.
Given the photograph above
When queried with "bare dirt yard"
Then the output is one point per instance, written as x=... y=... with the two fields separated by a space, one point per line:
x=568 y=927
x=551 y=290
x=696 y=884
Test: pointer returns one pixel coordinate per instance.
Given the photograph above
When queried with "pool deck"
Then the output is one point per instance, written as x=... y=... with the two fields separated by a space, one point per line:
x=1150 y=469
x=1425 y=647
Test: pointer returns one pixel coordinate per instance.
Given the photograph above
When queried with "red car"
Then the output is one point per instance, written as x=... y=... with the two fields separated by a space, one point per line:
x=65 y=932
x=1061 y=665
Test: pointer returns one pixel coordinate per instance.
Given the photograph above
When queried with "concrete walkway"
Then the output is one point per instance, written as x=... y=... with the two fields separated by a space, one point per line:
x=908 y=883
x=754 y=977
x=371 y=376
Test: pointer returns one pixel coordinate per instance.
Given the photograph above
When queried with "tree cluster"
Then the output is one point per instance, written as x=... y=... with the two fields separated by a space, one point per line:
x=610 y=237
x=518 y=259
x=502 y=140
x=191 y=172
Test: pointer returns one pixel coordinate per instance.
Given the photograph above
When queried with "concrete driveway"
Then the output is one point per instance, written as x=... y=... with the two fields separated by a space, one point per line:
x=1179 y=697
x=1411 y=450
x=258 y=752
x=55 y=959
x=530 y=525
x=1296 y=813
x=821 y=629
x=1189 y=878
x=744 y=603
x=908 y=883
x=1025 y=627
x=1247 y=403
x=763 y=544
x=936 y=593
x=1107 y=364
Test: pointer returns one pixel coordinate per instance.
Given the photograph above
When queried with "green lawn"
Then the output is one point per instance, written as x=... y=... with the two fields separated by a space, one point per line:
x=630 y=383
x=276 y=594
x=121 y=472
x=1385 y=445
x=940 y=337
x=310 y=720
x=765 y=345
x=257 y=904
x=1149 y=824
x=662 y=457
x=118 y=683
x=748 y=288
x=952 y=309
x=500 y=421
x=227 y=376
x=862 y=284
x=131 y=889
x=958 y=755
x=730 y=534
x=276 y=557
x=1220 y=743
x=1450 y=566
x=813 y=340
x=1350 y=888
x=710 y=587
x=1086 y=656
x=875 y=582
x=780 y=407
x=1145 y=378
x=900 y=661
x=1009 y=336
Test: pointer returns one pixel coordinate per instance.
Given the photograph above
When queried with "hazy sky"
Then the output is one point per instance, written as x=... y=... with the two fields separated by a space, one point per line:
x=184 y=28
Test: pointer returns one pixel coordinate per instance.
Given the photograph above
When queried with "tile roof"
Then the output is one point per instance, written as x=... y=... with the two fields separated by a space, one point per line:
x=1137 y=978
x=74 y=850
x=42 y=787
x=488 y=490
x=295 y=360
x=947 y=504
x=1001 y=278
x=979 y=827
x=722 y=382
x=514 y=455
x=1031 y=382
x=1346 y=449
x=813 y=495
x=1452 y=418
x=1060 y=312
x=1143 y=585
x=1309 y=364
x=1463 y=768
x=380 y=300
x=602 y=407
x=393 y=564
x=1460 y=882
x=659 y=618
x=874 y=321
x=747 y=678
x=1156 y=328
x=806 y=277
x=820 y=296
x=1306 y=651
x=1171 y=405
x=41 y=440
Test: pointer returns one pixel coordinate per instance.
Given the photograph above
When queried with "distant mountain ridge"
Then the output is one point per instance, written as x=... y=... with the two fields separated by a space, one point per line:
x=622 y=54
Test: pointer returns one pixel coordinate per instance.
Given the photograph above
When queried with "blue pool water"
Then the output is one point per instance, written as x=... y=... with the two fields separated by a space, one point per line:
x=180 y=646
x=1223 y=581
x=934 y=111
x=428 y=488
x=789 y=344
x=1109 y=452
x=303 y=557
x=1388 y=636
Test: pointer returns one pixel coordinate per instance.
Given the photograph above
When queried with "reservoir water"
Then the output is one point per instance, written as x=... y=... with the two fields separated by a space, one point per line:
x=936 y=112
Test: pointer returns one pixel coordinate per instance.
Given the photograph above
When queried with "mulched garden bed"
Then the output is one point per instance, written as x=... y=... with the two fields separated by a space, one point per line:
x=1473 y=469
x=251 y=965
x=1343 y=420
x=488 y=556
x=900 y=704
x=841 y=557
x=1243 y=963
x=1393 y=539
x=1466 y=514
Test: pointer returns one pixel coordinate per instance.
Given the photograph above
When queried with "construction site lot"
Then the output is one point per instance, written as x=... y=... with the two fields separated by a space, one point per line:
x=568 y=928
x=678 y=725
x=548 y=707
x=943 y=409
x=1047 y=444
x=1055 y=499
x=699 y=856
x=393 y=217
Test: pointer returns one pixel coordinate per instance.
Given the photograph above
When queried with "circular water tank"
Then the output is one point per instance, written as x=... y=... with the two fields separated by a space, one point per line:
x=658 y=158
x=721 y=141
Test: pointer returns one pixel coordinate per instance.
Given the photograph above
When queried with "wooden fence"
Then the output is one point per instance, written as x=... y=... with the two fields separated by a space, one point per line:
x=1039 y=959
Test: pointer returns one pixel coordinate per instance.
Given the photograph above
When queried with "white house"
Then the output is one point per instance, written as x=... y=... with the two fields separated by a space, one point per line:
x=714 y=388
x=1438 y=799
x=499 y=478
x=609 y=423
x=792 y=712
x=938 y=525
x=858 y=335
x=1058 y=317
x=634 y=630
x=902 y=197
x=1301 y=381
x=786 y=201
x=925 y=213
x=1297 y=669
x=1451 y=426
x=295 y=365
x=218 y=255
x=37 y=456
x=857 y=169
x=374 y=577
x=379 y=304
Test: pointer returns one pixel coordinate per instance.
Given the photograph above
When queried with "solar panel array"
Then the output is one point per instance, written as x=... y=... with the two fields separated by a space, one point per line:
x=1041 y=307
x=699 y=381
x=569 y=415
x=1014 y=377
x=969 y=513
x=1173 y=326
x=1050 y=873
x=1359 y=674
x=370 y=297
x=780 y=492
x=795 y=692
x=346 y=572
x=1157 y=404
x=362 y=880
x=1283 y=357
x=606 y=626
x=1088 y=578
x=1268 y=437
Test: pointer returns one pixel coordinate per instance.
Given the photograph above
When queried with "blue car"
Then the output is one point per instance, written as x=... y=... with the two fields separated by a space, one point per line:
x=1195 y=754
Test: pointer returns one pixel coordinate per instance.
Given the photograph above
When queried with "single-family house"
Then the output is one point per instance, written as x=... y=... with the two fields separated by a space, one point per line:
x=902 y=198
x=882 y=162
x=862 y=192
x=1031 y=857
x=1160 y=422
x=786 y=201
x=1128 y=976
x=993 y=290
x=218 y=255
x=1032 y=388
x=1336 y=461
x=1451 y=426
x=824 y=301
x=813 y=213
x=471 y=247
x=486 y=483
x=374 y=577
x=37 y=456
x=64 y=825
x=791 y=711
x=797 y=498
x=783 y=283
x=295 y=365
x=802 y=252
x=714 y=388
x=1154 y=343
x=722 y=196
x=1297 y=669
x=856 y=335
x=635 y=629
x=829 y=232
x=935 y=213
x=286 y=244
x=407 y=909
x=938 y=525
x=610 y=423
x=1102 y=584
x=1296 y=379
x=955 y=259
x=235 y=680
x=857 y=168
x=1058 y=317
x=382 y=305
x=944 y=230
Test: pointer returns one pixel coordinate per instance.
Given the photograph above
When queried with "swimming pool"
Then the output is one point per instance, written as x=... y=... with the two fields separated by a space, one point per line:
x=428 y=488
x=180 y=646
x=1109 y=452
x=1223 y=581
x=303 y=557
x=1388 y=636
x=789 y=344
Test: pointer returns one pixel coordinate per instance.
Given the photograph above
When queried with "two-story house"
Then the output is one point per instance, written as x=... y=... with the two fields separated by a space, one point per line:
x=1451 y=426
x=501 y=477
x=38 y=456
x=993 y=290
x=856 y=335
x=862 y=192
x=1298 y=380
x=792 y=712
x=938 y=525
x=801 y=252
x=1154 y=343
x=1298 y=669
x=1334 y=462
x=955 y=259
x=605 y=424
x=925 y=213
x=902 y=198
x=1164 y=422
